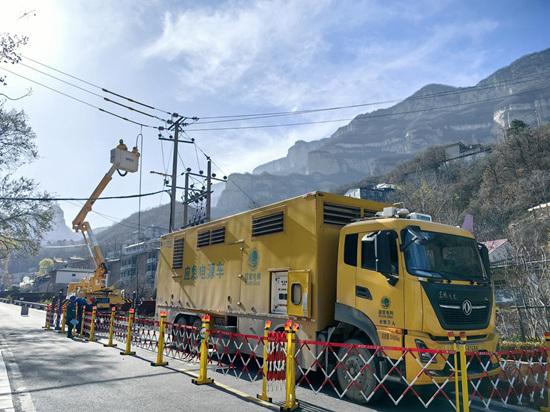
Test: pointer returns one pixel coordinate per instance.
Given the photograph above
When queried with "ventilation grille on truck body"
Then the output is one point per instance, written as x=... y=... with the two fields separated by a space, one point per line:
x=177 y=255
x=266 y=225
x=217 y=236
x=340 y=215
x=211 y=237
x=203 y=238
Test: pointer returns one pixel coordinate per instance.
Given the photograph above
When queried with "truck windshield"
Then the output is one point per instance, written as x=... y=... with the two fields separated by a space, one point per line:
x=443 y=256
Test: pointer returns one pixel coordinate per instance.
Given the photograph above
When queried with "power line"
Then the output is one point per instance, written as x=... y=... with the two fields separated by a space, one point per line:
x=79 y=100
x=95 y=94
x=229 y=180
x=97 y=86
x=363 y=117
x=253 y=116
x=54 y=199
x=267 y=126
x=104 y=215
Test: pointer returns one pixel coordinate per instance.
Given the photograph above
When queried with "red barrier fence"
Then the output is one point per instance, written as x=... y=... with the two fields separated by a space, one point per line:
x=364 y=373
x=520 y=379
x=182 y=342
x=357 y=372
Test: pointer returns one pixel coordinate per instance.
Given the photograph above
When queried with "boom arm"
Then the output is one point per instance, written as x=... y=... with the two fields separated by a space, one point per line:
x=78 y=221
x=122 y=159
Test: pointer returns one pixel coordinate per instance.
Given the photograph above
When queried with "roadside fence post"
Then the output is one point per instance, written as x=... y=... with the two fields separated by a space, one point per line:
x=290 y=393
x=160 y=346
x=63 y=319
x=547 y=347
x=92 y=325
x=48 y=315
x=265 y=364
x=452 y=338
x=464 y=373
x=110 y=344
x=128 y=350
x=203 y=379
x=82 y=322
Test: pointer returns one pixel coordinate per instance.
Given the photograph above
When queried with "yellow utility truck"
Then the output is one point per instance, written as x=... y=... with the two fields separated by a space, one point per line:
x=348 y=270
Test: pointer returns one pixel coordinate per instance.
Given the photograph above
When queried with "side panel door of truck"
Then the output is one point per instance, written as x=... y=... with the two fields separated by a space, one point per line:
x=375 y=296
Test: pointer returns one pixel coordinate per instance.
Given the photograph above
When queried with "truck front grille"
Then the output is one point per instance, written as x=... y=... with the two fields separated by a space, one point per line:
x=448 y=300
x=455 y=316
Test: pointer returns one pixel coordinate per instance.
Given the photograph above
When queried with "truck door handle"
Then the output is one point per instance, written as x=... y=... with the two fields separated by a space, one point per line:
x=363 y=292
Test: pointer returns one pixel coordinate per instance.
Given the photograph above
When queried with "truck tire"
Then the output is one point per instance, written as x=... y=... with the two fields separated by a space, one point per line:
x=353 y=360
x=178 y=338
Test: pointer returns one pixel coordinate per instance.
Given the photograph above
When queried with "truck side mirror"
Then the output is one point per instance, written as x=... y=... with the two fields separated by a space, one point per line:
x=384 y=243
x=484 y=253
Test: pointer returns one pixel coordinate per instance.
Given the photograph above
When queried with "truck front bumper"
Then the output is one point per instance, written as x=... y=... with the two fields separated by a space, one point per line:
x=437 y=363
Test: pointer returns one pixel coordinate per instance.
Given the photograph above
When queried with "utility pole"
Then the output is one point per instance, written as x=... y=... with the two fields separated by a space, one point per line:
x=186 y=199
x=205 y=193
x=208 y=188
x=174 y=176
x=176 y=127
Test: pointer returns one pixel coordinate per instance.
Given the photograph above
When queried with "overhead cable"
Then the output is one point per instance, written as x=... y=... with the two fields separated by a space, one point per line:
x=79 y=100
x=458 y=91
x=363 y=117
x=97 y=86
x=55 y=199
x=254 y=203
x=94 y=93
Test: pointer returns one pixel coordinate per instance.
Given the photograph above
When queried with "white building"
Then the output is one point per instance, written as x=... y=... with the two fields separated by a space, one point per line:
x=64 y=276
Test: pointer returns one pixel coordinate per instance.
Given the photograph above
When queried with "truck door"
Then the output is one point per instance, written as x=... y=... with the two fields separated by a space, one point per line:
x=378 y=290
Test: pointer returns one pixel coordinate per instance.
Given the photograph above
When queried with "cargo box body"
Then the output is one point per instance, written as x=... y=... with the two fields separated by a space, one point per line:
x=274 y=262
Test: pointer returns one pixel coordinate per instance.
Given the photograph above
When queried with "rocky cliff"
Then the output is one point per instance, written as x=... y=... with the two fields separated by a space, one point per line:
x=60 y=231
x=374 y=143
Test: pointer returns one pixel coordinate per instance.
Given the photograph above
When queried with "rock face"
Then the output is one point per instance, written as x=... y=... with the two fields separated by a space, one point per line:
x=373 y=143
x=60 y=231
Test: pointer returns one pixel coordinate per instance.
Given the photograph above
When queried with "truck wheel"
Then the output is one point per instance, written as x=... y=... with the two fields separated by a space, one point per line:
x=353 y=377
x=178 y=335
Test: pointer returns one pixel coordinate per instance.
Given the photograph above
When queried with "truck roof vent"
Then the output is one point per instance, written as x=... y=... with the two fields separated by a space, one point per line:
x=266 y=225
x=203 y=238
x=340 y=215
x=177 y=255
x=217 y=236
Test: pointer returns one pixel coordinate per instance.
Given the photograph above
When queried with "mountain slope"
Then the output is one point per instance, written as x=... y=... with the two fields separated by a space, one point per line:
x=374 y=143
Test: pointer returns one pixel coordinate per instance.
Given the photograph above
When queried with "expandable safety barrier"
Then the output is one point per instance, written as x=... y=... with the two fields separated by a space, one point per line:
x=519 y=377
x=280 y=363
x=182 y=342
x=48 y=322
x=85 y=325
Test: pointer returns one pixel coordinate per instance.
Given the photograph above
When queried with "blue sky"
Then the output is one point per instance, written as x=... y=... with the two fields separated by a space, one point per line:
x=216 y=58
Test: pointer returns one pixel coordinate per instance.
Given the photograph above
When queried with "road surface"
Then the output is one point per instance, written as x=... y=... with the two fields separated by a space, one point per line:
x=44 y=371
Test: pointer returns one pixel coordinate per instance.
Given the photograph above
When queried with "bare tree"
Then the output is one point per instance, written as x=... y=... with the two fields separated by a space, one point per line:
x=23 y=220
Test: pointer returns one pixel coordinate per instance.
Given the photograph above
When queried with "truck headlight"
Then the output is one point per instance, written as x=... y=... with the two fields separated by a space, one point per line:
x=425 y=357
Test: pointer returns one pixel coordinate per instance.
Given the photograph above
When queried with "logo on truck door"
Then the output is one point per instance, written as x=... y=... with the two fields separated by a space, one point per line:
x=253 y=259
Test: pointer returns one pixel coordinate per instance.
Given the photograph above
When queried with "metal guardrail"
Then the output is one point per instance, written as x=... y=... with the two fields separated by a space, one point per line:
x=34 y=305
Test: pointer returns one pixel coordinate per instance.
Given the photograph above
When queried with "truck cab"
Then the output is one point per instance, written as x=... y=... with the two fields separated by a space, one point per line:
x=405 y=281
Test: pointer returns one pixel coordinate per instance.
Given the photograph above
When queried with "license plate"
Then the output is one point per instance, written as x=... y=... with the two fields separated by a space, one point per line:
x=469 y=348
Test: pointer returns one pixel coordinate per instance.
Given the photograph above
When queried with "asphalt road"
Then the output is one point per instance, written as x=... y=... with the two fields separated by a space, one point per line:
x=48 y=372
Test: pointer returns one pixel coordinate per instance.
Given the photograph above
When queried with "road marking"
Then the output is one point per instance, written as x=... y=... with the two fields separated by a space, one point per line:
x=6 y=403
x=22 y=399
